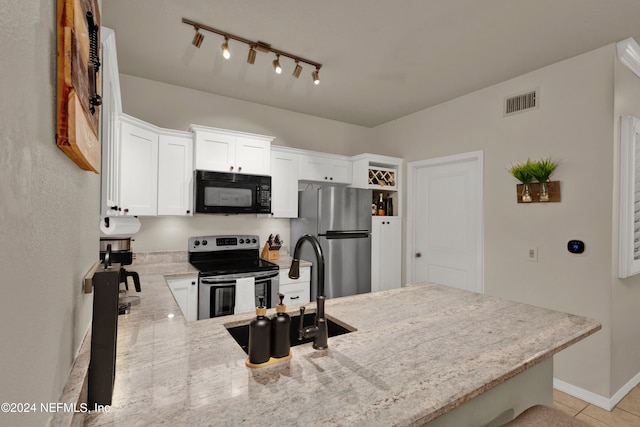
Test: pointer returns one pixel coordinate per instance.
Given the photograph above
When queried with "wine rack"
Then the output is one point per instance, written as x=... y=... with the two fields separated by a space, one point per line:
x=382 y=177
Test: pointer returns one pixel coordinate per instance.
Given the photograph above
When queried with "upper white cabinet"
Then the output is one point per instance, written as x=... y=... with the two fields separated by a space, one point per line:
x=224 y=150
x=284 y=182
x=149 y=170
x=138 y=168
x=381 y=174
x=328 y=168
x=175 y=173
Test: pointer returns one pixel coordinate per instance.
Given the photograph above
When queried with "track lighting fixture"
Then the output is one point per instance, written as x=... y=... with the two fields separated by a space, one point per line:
x=252 y=54
x=316 y=76
x=276 y=65
x=225 y=48
x=197 y=39
x=297 y=70
x=254 y=47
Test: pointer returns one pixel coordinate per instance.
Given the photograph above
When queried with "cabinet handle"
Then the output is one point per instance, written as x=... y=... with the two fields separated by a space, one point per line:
x=298 y=297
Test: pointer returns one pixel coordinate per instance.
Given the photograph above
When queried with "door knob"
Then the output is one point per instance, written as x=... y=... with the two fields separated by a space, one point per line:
x=418 y=254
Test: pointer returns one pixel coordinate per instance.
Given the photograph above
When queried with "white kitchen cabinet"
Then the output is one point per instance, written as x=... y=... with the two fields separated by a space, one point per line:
x=185 y=292
x=284 y=183
x=225 y=150
x=386 y=253
x=175 y=173
x=138 y=167
x=110 y=124
x=381 y=174
x=296 y=291
x=328 y=168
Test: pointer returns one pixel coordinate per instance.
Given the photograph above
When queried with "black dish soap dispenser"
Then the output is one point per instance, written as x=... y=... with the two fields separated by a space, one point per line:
x=260 y=336
x=280 y=331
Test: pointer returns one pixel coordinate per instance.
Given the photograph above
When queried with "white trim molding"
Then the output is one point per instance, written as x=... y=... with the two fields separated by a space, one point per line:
x=596 y=399
x=629 y=54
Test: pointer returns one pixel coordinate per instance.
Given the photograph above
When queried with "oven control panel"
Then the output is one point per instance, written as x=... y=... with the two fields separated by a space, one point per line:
x=223 y=243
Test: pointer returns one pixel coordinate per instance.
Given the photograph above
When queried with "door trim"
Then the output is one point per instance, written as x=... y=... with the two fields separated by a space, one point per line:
x=412 y=167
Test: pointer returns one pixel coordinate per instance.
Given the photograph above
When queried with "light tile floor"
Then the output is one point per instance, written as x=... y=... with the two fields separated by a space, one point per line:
x=625 y=414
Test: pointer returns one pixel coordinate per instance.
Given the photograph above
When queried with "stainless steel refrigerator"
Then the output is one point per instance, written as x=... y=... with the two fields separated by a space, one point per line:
x=340 y=218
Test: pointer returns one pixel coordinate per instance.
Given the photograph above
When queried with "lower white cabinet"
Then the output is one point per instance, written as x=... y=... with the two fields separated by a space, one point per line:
x=386 y=253
x=296 y=291
x=185 y=292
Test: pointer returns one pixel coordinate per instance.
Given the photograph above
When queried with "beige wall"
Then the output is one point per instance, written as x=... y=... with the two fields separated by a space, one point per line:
x=49 y=217
x=573 y=124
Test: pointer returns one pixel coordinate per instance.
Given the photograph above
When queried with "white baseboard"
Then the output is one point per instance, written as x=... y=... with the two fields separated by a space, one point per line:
x=596 y=399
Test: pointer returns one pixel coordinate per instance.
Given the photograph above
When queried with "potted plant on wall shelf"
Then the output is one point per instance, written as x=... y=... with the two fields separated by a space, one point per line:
x=522 y=172
x=541 y=171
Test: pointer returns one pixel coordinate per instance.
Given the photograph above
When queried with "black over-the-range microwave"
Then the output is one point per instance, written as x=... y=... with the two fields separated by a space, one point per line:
x=223 y=192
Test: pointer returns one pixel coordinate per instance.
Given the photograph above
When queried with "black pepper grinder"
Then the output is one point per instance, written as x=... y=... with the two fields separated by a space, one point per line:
x=260 y=336
x=280 y=331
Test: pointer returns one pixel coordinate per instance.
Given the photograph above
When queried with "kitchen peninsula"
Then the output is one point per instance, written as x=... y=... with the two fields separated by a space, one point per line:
x=419 y=354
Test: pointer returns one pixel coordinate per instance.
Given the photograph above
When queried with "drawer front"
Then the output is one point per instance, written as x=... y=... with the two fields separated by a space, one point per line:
x=295 y=294
x=305 y=276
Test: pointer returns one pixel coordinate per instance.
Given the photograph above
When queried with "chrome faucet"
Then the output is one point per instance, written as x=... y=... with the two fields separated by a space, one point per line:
x=318 y=331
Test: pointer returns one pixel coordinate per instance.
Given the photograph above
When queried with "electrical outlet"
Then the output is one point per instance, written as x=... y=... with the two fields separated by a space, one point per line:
x=533 y=254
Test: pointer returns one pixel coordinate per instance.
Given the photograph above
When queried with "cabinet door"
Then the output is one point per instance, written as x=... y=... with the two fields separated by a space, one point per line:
x=138 y=170
x=328 y=169
x=284 y=184
x=252 y=156
x=215 y=151
x=185 y=292
x=296 y=291
x=175 y=175
x=386 y=253
x=341 y=171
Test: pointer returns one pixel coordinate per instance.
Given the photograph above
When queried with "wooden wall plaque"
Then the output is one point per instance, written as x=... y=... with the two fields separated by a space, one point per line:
x=78 y=80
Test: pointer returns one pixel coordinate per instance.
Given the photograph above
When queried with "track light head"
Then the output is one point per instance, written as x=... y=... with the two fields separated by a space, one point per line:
x=297 y=70
x=197 y=39
x=316 y=76
x=252 y=55
x=225 y=48
x=276 y=65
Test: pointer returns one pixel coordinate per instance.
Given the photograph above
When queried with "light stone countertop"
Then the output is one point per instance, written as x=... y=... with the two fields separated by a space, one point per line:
x=418 y=352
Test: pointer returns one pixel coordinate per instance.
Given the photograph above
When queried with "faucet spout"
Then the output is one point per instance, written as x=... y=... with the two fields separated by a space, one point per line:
x=319 y=330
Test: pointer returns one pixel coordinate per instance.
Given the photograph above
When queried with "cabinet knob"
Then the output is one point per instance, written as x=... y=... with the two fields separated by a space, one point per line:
x=126 y=210
x=331 y=178
x=231 y=168
x=418 y=254
x=188 y=211
x=326 y=177
x=193 y=283
x=239 y=168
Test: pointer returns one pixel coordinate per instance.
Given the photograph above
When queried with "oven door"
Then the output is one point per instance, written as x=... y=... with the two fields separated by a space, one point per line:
x=220 y=192
x=217 y=294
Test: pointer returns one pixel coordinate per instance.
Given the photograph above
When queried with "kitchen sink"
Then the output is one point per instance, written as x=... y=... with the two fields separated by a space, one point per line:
x=241 y=333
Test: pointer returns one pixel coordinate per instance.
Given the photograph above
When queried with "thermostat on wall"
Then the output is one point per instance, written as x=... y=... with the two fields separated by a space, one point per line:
x=575 y=246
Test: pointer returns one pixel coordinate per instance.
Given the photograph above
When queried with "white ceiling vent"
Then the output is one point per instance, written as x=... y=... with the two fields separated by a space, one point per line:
x=520 y=103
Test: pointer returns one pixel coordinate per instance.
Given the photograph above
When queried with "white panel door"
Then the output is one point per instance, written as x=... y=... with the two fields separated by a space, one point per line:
x=175 y=174
x=215 y=151
x=284 y=184
x=253 y=156
x=446 y=221
x=138 y=170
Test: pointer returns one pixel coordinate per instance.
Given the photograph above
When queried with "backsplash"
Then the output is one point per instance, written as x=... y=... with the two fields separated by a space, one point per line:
x=170 y=234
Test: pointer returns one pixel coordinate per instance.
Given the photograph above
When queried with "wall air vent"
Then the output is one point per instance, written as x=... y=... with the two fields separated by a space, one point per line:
x=519 y=103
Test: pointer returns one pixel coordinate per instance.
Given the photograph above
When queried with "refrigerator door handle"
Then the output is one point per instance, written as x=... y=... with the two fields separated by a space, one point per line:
x=355 y=234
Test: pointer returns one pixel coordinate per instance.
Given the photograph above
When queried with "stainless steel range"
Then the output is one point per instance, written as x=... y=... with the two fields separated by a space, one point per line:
x=232 y=275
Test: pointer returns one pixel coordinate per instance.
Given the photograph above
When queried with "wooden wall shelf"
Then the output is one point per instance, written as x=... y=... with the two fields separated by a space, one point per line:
x=552 y=186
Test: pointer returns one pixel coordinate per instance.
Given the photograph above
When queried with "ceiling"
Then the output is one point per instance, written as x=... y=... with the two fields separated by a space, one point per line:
x=381 y=59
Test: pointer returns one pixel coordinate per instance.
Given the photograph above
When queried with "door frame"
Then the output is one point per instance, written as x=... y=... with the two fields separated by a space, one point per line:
x=412 y=186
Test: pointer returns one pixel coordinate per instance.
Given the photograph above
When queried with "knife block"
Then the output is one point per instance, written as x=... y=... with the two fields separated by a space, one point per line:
x=270 y=254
